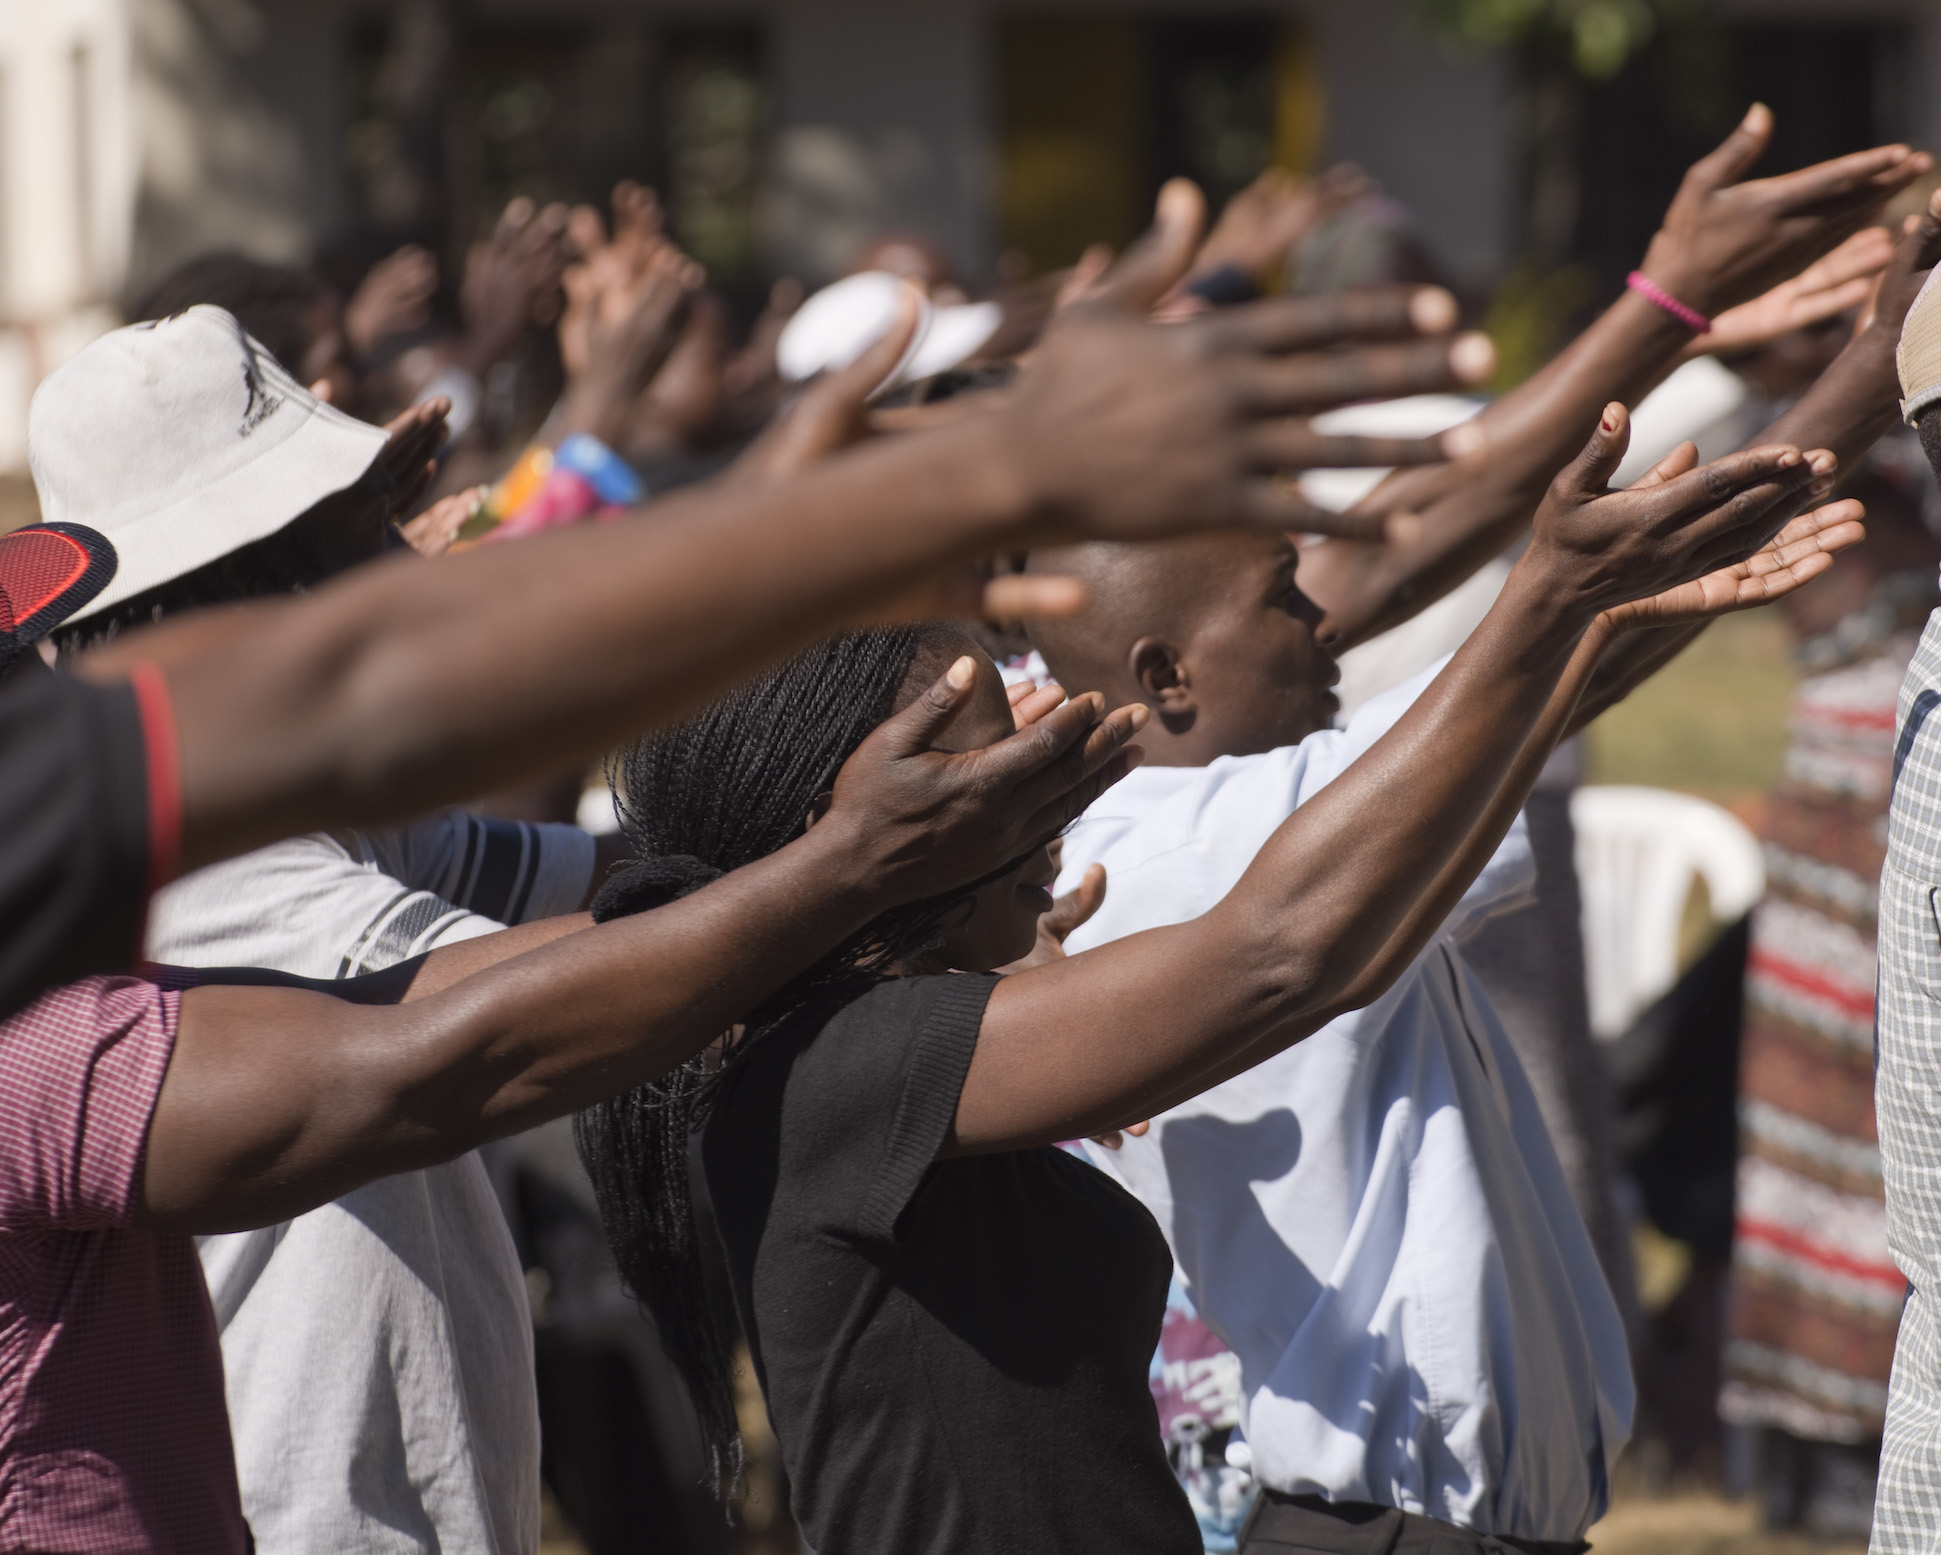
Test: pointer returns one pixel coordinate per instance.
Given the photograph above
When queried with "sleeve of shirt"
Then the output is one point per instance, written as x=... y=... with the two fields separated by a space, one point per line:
x=84 y=1065
x=508 y=871
x=75 y=865
x=861 y=1101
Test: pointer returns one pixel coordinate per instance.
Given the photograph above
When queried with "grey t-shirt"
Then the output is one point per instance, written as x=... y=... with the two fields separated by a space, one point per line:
x=378 y=1351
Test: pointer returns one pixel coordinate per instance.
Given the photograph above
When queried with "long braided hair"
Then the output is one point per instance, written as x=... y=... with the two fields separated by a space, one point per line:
x=733 y=784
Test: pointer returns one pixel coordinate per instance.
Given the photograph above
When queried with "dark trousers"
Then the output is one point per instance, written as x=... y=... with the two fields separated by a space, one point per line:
x=1307 y=1525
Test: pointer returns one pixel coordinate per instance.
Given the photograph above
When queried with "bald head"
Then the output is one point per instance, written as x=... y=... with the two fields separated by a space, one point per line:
x=1167 y=588
x=1211 y=632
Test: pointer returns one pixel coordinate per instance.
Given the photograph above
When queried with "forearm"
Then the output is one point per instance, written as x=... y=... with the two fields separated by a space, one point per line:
x=1469 y=512
x=1631 y=659
x=278 y=1100
x=405 y=686
x=1850 y=406
x=1332 y=888
x=1433 y=908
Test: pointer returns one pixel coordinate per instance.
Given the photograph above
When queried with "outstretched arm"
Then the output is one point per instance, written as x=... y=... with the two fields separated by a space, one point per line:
x=1849 y=408
x=277 y=1099
x=405 y=686
x=1723 y=242
x=1129 y=1028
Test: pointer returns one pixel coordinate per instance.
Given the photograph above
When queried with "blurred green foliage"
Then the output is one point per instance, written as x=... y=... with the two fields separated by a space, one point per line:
x=1530 y=313
x=1599 y=36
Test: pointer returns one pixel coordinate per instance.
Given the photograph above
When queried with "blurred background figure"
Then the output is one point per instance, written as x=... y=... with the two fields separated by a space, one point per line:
x=597 y=223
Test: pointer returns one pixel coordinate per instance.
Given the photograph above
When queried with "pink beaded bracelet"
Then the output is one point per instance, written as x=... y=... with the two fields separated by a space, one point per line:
x=1649 y=289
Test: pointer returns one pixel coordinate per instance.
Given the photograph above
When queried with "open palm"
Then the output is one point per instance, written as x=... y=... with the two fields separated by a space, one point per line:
x=1796 y=555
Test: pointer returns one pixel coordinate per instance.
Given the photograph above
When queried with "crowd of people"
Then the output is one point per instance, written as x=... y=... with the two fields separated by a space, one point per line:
x=1106 y=1093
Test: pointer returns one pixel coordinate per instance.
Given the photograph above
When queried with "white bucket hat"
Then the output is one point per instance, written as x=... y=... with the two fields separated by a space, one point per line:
x=181 y=441
x=841 y=322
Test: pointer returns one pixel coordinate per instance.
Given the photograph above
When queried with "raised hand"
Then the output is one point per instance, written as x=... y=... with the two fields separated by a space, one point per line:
x=1121 y=427
x=1068 y=913
x=1725 y=242
x=1609 y=548
x=393 y=298
x=1799 y=553
x=432 y=532
x=1917 y=252
x=939 y=820
x=512 y=280
x=1264 y=221
x=1844 y=279
x=622 y=319
x=405 y=467
x=832 y=412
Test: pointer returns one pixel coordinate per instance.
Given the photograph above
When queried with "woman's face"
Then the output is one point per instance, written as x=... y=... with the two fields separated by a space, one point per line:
x=1003 y=924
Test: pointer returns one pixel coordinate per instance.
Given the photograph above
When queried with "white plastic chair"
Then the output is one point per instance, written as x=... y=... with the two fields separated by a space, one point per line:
x=1638 y=850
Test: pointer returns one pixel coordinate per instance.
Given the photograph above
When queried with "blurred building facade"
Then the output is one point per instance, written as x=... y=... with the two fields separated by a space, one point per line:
x=135 y=133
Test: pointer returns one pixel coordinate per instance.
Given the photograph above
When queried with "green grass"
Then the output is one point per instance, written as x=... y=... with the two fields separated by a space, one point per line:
x=1712 y=722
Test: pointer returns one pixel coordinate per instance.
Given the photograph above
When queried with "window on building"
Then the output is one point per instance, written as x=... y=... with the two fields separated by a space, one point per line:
x=1095 y=112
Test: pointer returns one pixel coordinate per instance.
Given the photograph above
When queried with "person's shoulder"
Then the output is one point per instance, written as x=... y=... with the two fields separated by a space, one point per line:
x=868 y=1003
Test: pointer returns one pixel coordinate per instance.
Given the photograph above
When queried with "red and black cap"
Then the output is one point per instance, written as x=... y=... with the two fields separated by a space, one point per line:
x=47 y=572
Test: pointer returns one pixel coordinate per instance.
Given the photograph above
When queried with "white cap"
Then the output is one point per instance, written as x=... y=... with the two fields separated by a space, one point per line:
x=841 y=322
x=181 y=441
x=1918 y=356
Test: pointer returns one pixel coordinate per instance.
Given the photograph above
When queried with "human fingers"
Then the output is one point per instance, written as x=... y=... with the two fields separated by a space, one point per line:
x=1782 y=565
x=862 y=378
x=1739 y=510
x=432 y=532
x=1279 y=325
x=513 y=219
x=1051 y=771
x=586 y=230
x=831 y=412
x=1029 y=703
x=918 y=727
x=414 y=437
x=1734 y=156
x=1588 y=476
x=1829 y=302
x=1275 y=502
x=1149 y=268
x=1031 y=597
x=1316 y=381
x=1901 y=281
x=1075 y=782
x=1292 y=443
x=1827 y=530
x=1858 y=171
x=1084 y=275
x=1115 y=1140
x=1862 y=256
x=1076 y=907
x=636 y=211
x=1680 y=461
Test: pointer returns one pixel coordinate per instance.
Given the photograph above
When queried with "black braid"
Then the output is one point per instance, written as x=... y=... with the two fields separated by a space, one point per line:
x=732 y=785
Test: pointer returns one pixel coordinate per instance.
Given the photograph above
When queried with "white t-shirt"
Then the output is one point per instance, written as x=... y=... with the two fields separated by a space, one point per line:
x=1374 y=1220
x=378 y=1350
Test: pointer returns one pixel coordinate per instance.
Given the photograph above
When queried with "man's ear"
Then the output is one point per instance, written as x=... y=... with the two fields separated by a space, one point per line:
x=1163 y=681
x=818 y=808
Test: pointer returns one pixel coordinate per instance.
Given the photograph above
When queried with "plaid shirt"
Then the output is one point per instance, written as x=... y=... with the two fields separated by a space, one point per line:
x=113 y=1435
